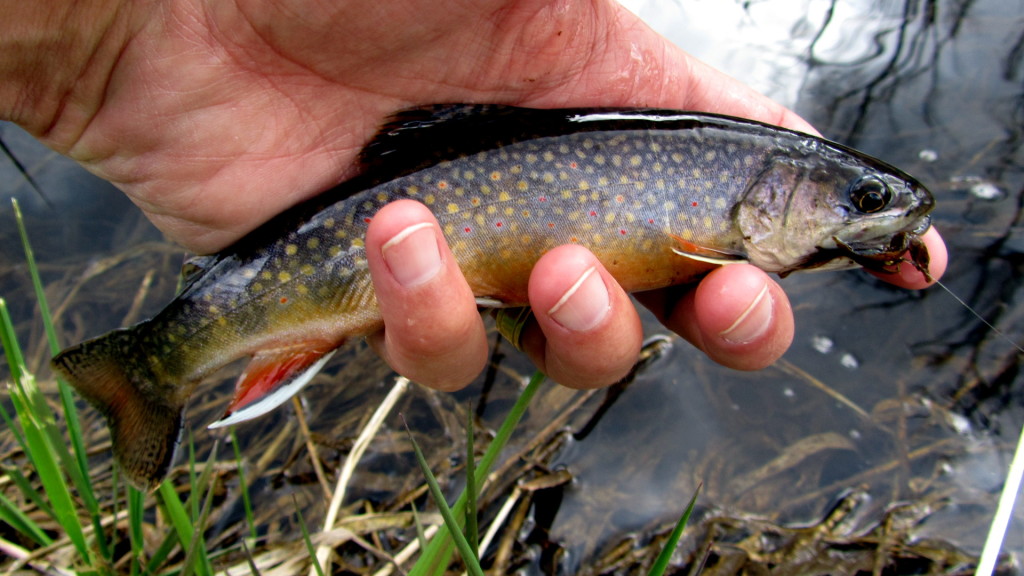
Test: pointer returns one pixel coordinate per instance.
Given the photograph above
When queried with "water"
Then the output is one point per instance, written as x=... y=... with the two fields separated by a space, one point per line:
x=900 y=402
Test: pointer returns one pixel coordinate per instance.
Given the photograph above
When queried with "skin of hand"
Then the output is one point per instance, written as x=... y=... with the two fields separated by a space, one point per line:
x=215 y=116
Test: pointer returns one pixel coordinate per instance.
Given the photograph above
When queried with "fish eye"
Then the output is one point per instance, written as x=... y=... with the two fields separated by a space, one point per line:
x=870 y=195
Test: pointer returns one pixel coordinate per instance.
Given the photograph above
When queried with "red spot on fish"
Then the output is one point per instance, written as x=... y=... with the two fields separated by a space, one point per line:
x=442 y=184
x=466 y=229
x=497 y=224
x=650 y=220
x=593 y=213
x=694 y=203
x=573 y=165
x=623 y=232
x=543 y=199
x=495 y=175
x=367 y=219
x=620 y=199
x=284 y=300
x=551 y=224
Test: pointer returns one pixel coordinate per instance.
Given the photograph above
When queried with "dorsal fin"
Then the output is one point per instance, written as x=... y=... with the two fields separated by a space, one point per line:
x=418 y=137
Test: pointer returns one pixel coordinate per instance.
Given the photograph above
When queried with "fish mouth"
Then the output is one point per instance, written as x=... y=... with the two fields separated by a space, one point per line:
x=885 y=258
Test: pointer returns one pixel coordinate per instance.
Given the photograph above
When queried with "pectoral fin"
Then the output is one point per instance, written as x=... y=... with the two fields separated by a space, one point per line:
x=271 y=378
x=699 y=253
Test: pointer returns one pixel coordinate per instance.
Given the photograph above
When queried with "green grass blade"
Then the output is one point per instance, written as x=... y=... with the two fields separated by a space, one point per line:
x=438 y=552
x=176 y=514
x=28 y=490
x=310 y=549
x=250 y=518
x=472 y=530
x=661 y=563
x=136 y=512
x=36 y=420
x=468 y=557
x=15 y=518
x=79 y=473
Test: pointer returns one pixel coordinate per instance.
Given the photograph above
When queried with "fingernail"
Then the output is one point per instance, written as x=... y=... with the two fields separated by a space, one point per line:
x=754 y=321
x=583 y=305
x=412 y=255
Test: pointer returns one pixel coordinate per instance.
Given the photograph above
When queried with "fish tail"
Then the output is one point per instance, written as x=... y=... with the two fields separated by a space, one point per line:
x=145 y=426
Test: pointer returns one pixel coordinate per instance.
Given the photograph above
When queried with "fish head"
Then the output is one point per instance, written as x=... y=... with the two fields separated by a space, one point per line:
x=829 y=207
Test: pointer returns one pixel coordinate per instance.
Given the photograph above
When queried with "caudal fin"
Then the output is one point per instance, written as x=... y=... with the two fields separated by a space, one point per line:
x=145 y=426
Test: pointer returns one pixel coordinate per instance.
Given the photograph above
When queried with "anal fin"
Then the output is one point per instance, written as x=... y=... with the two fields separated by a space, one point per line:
x=271 y=378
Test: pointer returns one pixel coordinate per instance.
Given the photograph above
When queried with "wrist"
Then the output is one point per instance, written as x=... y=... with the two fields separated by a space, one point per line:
x=55 y=59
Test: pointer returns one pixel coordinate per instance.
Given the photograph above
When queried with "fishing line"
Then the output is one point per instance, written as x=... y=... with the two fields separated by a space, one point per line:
x=997 y=331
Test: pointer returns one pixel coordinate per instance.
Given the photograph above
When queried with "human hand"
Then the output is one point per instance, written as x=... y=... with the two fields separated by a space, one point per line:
x=213 y=117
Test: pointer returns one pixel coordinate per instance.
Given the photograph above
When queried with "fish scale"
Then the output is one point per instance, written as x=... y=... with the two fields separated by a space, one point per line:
x=660 y=197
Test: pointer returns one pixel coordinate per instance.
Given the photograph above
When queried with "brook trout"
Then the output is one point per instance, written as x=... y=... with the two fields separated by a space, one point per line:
x=658 y=195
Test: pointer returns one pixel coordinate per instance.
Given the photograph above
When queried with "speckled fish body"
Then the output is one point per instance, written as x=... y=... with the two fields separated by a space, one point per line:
x=658 y=196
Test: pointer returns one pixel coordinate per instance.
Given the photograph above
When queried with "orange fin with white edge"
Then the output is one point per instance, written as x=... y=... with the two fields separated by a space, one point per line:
x=271 y=378
x=688 y=249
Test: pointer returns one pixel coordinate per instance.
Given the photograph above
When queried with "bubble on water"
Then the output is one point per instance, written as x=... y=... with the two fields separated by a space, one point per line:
x=961 y=424
x=788 y=392
x=986 y=191
x=849 y=361
x=979 y=187
x=822 y=343
x=855 y=434
x=928 y=155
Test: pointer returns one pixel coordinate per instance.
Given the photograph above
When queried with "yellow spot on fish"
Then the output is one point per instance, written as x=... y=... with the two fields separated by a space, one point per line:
x=609 y=217
x=313 y=243
x=584 y=185
x=267 y=275
x=257 y=287
x=602 y=181
x=307 y=269
x=357 y=242
x=341 y=233
x=291 y=249
x=635 y=160
x=429 y=199
x=549 y=177
x=334 y=251
x=522 y=185
x=382 y=197
x=453 y=208
x=531 y=158
x=328 y=223
x=284 y=276
x=503 y=196
x=708 y=223
x=495 y=175
x=548 y=156
x=412 y=190
x=302 y=289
